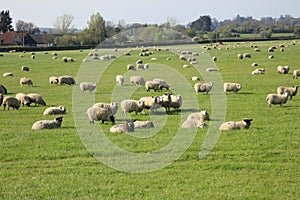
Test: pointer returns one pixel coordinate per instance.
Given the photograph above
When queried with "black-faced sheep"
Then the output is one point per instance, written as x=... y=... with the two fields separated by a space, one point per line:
x=47 y=124
x=23 y=98
x=236 y=125
x=232 y=87
x=36 y=99
x=112 y=107
x=26 y=81
x=60 y=110
x=53 y=80
x=123 y=128
x=150 y=85
x=291 y=90
x=66 y=80
x=99 y=114
x=151 y=103
x=283 y=69
x=203 y=87
x=277 y=99
x=128 y=106
x=296 y=73
x=12 y=102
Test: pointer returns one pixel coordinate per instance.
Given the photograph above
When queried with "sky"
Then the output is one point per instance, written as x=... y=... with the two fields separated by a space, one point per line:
x=44 y=13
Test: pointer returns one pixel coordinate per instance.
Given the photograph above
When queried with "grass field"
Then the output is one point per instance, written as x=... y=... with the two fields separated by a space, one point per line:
x=259 y=163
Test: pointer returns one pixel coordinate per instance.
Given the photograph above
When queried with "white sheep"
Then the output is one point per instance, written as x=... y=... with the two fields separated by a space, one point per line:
x=195 y=78
x=283 y=69
x=240 y=56
x=137 y=80
x=99 y=114
x=59 y=110
x=152 y=85
x=236 y=125
x=247 y=55
x=258 y=71
x=47 y=124
x=23 y=98
x=36 y=99
x=211 y=69
x=296 y=73
x=214 y=58
x=143 y=124
x=162 y=83
x=271 y=57
x=193 y=123
x=229 y=87
x=291 y=90
x=176 y=101
x=151 y=103
x=90 y=86
x=8 y=74
x=254 y=64
x=277 y=99
x=201 y=116
x=25 y=68
x=112 y=107
x=66 y=80
x=26 y=81
x=119 y=80
x=53 y=80
x=123 y=128
x=128 y=106
x=203 y=87
x=12 y=102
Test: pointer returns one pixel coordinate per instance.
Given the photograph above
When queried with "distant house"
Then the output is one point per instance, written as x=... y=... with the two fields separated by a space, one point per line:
x=13 y=38
x=8 y=38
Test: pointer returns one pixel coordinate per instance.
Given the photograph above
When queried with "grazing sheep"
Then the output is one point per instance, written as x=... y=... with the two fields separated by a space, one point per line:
x=96 y=113
x=166 y=101
x=296 y=73
x=143 y=124
x=151 y=103
x=200 y=116
x=258 y=71
x=26 y=80
x=203 y=87
x=240 y=56
x=36 y=99
x=247 y=55
x=11 y=101
x=236 y=125
x=8 y=74
x=1 y=99
x=152 y=85
x=131 y=67
x=211 y=70
x=291 y=90
x=193 y=123
x=277 y=99
x=123 y=128
x=23 y=98
x=271 y=57
x=119 y=80
x=128 y=106
x=195 y=78
x=53 y=80
x=60 y=110
x=232 y=87
x=66 y=80
x=271 y=49
x=3 y=89
x=139 y=62
x=214 y=58
x=176 y=101
x=283 y=69
x=90 y=86
x=162 y=83
x=47 y=124
x=137 y=80
x=182 y=57
x=112 y=107
x=25 y=68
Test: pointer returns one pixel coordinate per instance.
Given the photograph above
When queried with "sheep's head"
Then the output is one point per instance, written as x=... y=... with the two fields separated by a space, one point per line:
x=59 y=119
x=247 y=121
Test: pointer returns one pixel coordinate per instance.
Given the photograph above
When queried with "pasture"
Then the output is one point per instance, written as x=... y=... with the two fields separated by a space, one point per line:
x=258 y=163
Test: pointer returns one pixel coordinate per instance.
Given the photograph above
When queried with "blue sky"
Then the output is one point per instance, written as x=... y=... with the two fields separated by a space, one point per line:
x=44 y=13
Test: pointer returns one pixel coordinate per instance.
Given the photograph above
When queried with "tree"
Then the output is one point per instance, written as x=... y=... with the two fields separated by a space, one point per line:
x=202 y=24
x=22 y=26
x=171 y=22
x=63 y=23
x=5 y=21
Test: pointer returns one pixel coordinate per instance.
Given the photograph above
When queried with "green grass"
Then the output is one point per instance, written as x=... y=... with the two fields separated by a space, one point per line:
x=259 y=163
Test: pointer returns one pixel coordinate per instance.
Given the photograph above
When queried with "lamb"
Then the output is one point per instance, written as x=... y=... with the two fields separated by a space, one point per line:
x=236 y=125
x=152 y=85
x=119 y=80
x=291 y=90
x=131 y=67
x=162 y=83
x=60 y=110
x=258 y=71
x=66 y=80
x=203 y=87
x=23 y=98
x=229 y=87
x=137 y=80
x=283 y=69
x=36 y=99
x=12 y=102
x=143 y=124
x=132 y=106
x=53 y=80
x=8 y=74
x=3 y=89
x=26 y=80
x=123 y=128
x=47 y=124
x=296 y=73
x=277 y=99
x=112 y=107
x=99 y=114
x=201 y=116
x=90 y=86
x=151 y=103
x=25 y=68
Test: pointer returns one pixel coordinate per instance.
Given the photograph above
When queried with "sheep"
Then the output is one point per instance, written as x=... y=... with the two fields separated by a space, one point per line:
x=214 y=58
x=33 y=57
x=211 y=70
x=123 y=128
x=166 y=101
x=296 y=73
x=55 y=110
x=151 y=103
x=90 y=86
x=26 y=80
x=131 y=67
x=47 y=124
x=23 y=98
x=203 y=87
x=195 y=78
x=152 y=85
x=277 y=99
x=162 y=83
x=99 y=114
x=53 y=80
x=283 y=69
x=291 y=90
x=201 y=116
x=132 y=106
x=182 y=57
x=247 y=55
x=258 y=71
x=8 y=74
x=64 y=59
x=3 y=89
x=36 y=99
x=25 y=68
x=11 y=101
x=137 y=80
x=240 y=56
x=271 y=57
x=66 y=80
x=119 y=80
x=1 y=99
x=229 y=87
x=143 y=124
x=112 y=107
x=176 y=101
x=236 y=125
x=254 y=64
x=186 y=66
x=139 y=62
x=193 y=123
